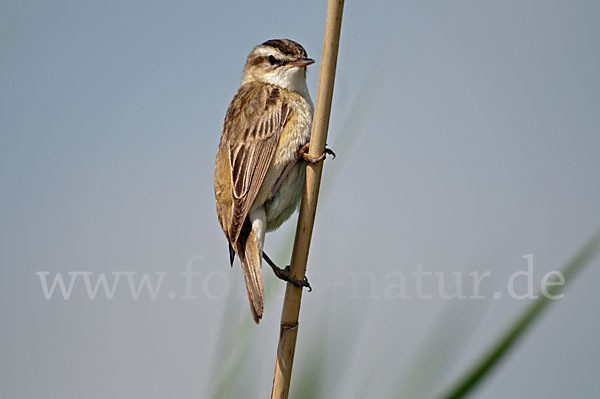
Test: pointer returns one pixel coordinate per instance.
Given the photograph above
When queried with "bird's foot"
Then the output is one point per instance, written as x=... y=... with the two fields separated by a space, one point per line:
x=286 y=275
x=314 y=160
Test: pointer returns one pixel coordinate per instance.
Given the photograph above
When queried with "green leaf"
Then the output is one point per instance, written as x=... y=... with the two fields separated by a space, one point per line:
x=482 y=366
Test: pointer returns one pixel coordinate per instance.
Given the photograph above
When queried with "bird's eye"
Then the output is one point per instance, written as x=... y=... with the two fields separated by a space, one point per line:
x=272 y=60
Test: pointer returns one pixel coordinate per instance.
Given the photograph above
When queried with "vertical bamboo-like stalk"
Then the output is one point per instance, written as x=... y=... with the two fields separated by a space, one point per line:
x=308 y=207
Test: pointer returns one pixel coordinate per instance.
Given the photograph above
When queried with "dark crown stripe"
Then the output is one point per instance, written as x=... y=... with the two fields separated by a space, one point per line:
x=287 y=47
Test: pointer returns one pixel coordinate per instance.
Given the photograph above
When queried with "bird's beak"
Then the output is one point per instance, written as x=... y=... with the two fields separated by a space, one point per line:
x=302 y=62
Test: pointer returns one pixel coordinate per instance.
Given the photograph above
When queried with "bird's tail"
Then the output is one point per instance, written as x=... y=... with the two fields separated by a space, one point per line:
x=250 y=255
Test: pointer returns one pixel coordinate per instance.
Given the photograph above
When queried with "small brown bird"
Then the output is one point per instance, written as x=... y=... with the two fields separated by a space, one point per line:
x=260 y=165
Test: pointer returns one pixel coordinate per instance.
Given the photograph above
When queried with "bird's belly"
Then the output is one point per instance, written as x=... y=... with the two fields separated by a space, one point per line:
x=285 y=201
x=280 y=205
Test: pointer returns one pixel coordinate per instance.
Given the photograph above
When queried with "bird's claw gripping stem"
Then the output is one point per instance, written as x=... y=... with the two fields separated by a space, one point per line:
x=286 y=275
x=314 y=160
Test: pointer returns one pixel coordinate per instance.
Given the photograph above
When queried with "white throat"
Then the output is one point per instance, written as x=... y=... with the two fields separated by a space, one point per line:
x=290 y=78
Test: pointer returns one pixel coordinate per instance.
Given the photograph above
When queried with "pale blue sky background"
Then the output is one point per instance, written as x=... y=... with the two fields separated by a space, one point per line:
x=479 y=144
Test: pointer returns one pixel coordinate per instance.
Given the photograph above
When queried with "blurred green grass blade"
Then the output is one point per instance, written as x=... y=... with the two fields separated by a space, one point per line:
x=311 y=383
x=223 y=359
x=363 y=388
x=445 y=341
x=500 y=348
x=353 y=123
x=235 y=339
x=310 y=380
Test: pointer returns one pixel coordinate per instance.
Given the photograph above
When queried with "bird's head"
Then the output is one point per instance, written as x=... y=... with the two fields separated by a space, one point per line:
x=279 y=62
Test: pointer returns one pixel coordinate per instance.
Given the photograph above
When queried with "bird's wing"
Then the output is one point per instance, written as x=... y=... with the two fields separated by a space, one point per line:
x=254 y=124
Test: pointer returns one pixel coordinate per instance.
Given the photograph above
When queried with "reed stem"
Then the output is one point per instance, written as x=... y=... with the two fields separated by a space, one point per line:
x=308 y=206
